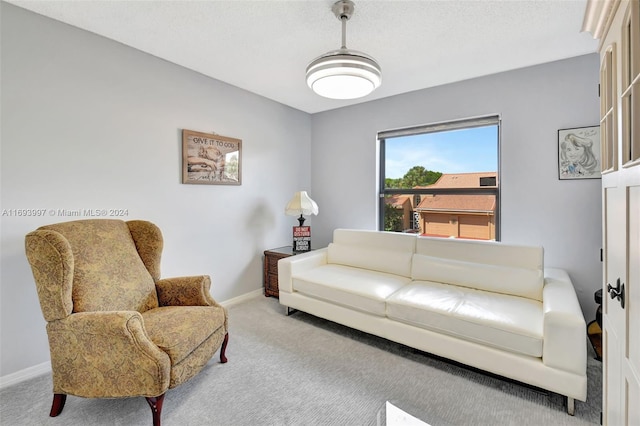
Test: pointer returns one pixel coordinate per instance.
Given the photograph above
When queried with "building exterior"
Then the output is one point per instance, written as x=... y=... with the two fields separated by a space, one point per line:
x=452 y=215
x=400 y=212
x=458 y=216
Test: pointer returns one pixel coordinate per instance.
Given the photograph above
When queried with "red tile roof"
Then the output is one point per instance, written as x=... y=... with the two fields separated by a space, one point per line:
x=397 y=200
x=455 y=202
x=461 y=180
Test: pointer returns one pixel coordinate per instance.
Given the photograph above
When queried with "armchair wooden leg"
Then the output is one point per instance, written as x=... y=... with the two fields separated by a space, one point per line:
x=155 y=402
x=58 y=404
x=223 y=349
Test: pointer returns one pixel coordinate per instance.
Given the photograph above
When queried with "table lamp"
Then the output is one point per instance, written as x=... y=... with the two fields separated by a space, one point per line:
x=301 y=204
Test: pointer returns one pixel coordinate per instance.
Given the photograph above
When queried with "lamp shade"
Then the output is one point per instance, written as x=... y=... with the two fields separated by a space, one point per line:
x=344 y=74
x=301 y=204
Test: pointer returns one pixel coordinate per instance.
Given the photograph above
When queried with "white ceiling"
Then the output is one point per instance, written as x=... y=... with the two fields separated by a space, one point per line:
x=265 y=46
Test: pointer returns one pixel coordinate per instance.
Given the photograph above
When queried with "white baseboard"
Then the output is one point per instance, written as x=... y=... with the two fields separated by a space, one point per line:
x=242 y=298
x=25 y=374
x=45 y=367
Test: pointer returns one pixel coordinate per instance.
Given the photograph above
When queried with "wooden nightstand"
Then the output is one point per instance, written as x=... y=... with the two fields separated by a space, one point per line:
x=271 y=258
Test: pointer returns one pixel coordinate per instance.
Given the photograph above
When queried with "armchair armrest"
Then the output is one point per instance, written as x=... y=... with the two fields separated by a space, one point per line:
x=565 y=334
x=185 y=291
x=289 y=266
x=106 y=355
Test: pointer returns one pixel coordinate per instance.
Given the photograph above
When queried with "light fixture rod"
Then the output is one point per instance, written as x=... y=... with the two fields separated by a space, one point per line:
x=344 y=31
x=343 y=9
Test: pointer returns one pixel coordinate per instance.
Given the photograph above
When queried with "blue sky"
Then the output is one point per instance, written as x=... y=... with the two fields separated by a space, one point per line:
x=456 y=151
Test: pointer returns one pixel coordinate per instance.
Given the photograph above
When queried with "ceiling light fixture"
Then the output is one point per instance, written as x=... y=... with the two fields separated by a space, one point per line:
x=344 y=73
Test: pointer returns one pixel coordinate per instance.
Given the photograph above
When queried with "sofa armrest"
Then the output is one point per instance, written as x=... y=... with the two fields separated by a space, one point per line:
x=292 y=265
x=565 y=333
x=185 y=291
x=106 y=355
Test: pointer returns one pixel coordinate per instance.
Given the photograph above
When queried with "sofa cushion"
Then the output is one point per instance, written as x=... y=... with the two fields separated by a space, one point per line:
x=500 y=279
x=355 y=288
x=506 y=322
x=388 y=252
x=489 y=252
x=179 y=330
x=394 y=241
x=387 y=261
x=485 y=265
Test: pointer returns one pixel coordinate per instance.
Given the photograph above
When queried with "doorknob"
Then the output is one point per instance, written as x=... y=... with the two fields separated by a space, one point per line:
x=613 y=291
x=617 y=292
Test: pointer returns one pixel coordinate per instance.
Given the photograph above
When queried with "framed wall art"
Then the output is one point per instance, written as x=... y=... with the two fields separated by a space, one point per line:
x=579 y=153
x=211 y=159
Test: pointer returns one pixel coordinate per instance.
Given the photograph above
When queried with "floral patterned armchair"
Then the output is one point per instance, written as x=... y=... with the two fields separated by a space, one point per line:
x=115 y=328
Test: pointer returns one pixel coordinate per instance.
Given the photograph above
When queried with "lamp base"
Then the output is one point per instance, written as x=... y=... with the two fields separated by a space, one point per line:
x=301 y=238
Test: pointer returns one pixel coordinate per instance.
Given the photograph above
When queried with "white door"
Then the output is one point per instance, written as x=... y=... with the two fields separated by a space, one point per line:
x=620 y=128
x=621 y=319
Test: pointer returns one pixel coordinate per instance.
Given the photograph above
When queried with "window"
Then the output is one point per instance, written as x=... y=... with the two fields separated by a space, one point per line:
x=631 y=86
x=608 y=112
x=441 y=179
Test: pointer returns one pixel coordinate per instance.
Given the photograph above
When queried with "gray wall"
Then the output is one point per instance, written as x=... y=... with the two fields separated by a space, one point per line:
x=90 y=123
x=537 y=208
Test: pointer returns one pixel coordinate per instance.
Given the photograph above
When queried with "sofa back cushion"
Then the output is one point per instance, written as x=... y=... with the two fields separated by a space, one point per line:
x=484 y=265
x=388 y=252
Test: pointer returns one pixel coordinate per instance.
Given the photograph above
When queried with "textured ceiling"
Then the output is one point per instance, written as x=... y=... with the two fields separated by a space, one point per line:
x=265 y=46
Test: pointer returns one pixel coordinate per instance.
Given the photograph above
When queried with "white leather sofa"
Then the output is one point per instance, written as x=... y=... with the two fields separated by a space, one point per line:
x=489 y=305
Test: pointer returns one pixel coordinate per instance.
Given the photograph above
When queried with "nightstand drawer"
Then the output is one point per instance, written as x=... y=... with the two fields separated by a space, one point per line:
x=272 y=264
x=270 y=279
x=271 y=285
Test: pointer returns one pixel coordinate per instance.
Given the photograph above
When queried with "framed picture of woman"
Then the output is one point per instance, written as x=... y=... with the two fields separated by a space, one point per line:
x=579 y=153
